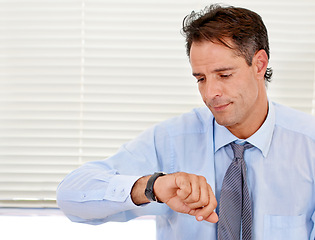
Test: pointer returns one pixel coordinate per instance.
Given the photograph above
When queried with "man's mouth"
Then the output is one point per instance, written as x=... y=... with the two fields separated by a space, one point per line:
x=220 y=108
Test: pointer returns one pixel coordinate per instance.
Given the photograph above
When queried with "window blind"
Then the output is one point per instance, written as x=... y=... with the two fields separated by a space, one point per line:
x=79 y=78
x=40 y=71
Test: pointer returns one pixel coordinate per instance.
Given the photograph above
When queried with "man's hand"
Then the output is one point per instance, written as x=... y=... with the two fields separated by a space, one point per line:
x=182 y=192
x=187 y=193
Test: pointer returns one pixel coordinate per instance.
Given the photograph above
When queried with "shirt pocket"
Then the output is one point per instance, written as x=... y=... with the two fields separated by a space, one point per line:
x=285 y=227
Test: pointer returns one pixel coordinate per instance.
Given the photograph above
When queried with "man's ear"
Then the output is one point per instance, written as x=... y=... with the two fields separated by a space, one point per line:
x=260 y=62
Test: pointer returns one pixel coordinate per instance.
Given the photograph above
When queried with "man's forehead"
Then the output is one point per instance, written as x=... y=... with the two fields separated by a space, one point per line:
x=213 y=52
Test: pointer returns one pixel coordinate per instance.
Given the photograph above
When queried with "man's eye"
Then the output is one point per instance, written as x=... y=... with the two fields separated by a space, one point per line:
x=225 y=75
x=200 y=80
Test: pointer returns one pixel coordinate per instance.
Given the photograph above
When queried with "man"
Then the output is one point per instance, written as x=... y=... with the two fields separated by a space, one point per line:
x=229 y=52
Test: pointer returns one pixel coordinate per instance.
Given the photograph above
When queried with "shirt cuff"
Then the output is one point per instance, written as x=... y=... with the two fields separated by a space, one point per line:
x=119 y=188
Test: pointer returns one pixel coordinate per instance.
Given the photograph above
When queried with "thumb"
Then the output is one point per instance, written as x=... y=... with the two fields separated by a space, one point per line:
x=213 y=218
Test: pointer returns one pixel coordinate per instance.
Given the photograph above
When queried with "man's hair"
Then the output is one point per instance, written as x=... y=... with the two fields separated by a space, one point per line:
x=236 y=28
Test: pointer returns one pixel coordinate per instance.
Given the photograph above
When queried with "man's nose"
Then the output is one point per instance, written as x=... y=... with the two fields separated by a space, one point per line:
x=212 y=89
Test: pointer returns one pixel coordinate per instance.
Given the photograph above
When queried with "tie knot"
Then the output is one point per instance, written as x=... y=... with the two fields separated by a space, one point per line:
x=239 y=149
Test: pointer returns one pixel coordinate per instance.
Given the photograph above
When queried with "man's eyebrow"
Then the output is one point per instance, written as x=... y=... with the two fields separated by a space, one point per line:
x=223 y=69
x=197 y=74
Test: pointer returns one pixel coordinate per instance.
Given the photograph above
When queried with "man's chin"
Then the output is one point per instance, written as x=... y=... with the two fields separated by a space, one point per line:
x=224 y=122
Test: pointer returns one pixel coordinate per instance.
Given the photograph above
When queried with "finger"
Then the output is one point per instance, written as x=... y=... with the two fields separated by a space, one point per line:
x=213 y=218
x=208 y=210
x=184 y=186
x=195 y=193
x=203 y=195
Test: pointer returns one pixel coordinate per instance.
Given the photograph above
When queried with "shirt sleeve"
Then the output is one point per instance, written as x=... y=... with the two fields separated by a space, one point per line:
x=96 y=200
x=99 y=191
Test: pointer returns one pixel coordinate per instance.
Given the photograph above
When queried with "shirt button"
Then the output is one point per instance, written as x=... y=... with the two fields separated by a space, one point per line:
x=122 y=193
x=113 y=192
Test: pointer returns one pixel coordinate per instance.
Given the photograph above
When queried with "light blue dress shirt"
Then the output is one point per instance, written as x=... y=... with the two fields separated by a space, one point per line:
x=280 y=175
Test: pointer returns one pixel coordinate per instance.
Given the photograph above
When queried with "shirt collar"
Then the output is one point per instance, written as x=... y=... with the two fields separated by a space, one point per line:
x=260 y=139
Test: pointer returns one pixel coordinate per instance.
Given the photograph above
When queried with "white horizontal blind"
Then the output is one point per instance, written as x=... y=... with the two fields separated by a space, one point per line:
x=40 y=71
x=135 y=72
x=79 y=78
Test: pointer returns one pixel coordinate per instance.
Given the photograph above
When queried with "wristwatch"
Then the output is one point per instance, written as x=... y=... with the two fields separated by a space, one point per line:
x=149 y=189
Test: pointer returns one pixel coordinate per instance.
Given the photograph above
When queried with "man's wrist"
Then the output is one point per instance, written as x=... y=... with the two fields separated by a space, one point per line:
x=137 y=191
x=149 y=192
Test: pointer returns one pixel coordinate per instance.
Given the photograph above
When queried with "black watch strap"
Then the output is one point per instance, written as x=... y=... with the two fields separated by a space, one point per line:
x=149 y=189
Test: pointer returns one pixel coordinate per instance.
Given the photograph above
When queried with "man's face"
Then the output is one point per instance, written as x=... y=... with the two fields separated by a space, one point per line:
x=229 y=87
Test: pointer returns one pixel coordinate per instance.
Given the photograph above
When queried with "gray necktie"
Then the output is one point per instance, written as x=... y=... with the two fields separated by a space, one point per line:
x=235 y=204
